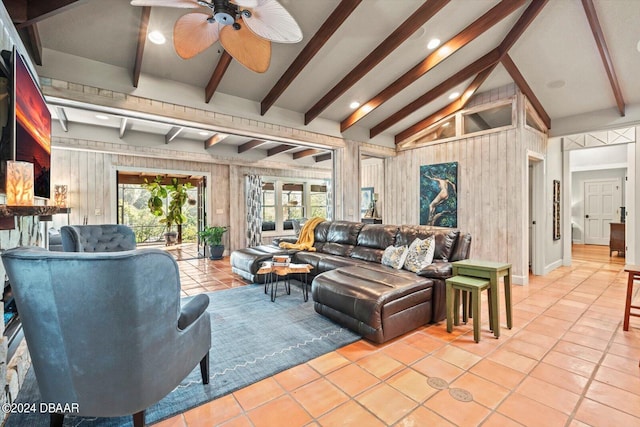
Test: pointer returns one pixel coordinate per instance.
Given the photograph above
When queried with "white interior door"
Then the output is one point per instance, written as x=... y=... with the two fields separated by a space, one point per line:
x=601 y=199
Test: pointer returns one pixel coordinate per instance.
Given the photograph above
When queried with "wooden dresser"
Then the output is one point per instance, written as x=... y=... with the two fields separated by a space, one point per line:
x=616 y=238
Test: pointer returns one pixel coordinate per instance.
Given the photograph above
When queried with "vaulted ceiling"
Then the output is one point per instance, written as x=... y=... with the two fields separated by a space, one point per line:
x=570 y=57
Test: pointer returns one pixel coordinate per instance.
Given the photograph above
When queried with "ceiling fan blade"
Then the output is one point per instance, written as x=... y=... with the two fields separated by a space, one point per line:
x=245 y=47
x=193 y=33
x=245 y=3
x=183 y=4
x=270 y=20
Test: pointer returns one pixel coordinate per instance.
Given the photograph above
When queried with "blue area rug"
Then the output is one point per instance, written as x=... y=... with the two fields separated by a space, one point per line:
x=252 y=339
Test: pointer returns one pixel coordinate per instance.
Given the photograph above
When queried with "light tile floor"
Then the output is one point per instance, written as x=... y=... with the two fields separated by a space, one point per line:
x=566 y=362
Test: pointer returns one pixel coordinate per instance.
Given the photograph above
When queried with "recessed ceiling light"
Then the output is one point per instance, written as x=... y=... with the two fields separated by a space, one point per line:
x=433 y=43
x=354 y=105
x=556 y=84
x=454 y=95
x=203 y=133
x=157 y=37
x=102 y=117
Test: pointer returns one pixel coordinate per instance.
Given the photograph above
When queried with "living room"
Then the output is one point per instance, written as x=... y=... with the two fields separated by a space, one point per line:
x=493 y=206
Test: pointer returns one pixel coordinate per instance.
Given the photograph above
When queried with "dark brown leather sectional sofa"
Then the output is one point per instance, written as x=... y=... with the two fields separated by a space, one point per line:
x=352 y=287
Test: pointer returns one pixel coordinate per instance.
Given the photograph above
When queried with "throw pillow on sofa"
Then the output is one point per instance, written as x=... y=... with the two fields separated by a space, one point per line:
x=394 y=256
x=420 y=254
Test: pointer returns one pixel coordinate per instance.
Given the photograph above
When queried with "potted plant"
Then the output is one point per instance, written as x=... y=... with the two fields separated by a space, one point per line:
x=212 y=236
x=178 y=196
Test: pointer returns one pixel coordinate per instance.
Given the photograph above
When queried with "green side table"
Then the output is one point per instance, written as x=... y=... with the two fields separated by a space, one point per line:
x=493 y=271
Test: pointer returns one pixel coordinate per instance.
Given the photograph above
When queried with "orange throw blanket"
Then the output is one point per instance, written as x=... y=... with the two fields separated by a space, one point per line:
x=307 y=238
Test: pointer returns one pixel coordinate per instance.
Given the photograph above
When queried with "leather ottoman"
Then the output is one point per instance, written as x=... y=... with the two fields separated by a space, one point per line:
x=377 y=302
x=246 y=262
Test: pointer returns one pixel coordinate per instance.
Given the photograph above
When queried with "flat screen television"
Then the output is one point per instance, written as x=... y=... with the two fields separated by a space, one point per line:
x=32 y=126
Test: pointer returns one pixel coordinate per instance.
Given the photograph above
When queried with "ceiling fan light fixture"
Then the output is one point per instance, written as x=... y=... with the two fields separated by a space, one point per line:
x=157 y=37
x=224 y=12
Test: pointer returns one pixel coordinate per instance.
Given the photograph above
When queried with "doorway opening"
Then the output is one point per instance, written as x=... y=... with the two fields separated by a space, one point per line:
x=536 y=217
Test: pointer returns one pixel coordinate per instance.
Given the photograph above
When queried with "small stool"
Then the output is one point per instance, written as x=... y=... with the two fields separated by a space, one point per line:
x=466 y=284
x=634 y=274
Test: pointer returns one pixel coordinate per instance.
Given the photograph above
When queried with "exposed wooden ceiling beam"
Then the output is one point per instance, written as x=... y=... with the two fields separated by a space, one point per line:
x=452 y=108
x=514 y=34
x=408 y=27
x=596 y=29
x=279 y=149
x=216 y=77
x=520 y=81
x=306 y=153
x=28 y=12
x=458 y=78
x=322 y=157
x=214 y=140
x=250 y=145
x=62 y=118
x=172 y=134
x=330 y=25
x=124 y=121
x=31 y=38
x=467 y=35
x=523 y=23
x=142 y=39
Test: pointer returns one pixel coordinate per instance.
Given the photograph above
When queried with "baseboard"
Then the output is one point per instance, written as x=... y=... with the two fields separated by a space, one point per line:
x=519 y=280
x=549 y=268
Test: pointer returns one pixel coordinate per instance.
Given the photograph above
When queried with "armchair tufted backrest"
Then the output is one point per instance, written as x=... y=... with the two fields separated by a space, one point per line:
x=97 y=238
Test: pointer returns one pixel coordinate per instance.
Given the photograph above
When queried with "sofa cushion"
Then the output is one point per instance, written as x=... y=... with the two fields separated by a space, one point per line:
x=344 y=232
x=445 y=238
x=436 y=270
x=337 y=249
x=372 y=241
x=394 y=256
x=420 y=254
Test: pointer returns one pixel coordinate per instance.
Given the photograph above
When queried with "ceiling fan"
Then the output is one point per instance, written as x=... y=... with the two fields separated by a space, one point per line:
x=245 y=28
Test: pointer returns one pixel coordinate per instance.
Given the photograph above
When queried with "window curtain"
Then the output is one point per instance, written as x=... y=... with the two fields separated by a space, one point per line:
x=254 y=210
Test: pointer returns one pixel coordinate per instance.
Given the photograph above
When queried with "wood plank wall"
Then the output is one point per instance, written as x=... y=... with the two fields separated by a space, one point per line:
x=492 y=189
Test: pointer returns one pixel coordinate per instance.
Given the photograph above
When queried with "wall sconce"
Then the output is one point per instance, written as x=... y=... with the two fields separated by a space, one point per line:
x=60 y=196
x=19 y=186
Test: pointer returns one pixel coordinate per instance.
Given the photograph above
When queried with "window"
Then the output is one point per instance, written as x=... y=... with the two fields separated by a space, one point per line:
x=441 y=130
x=490 y=118
x=286 y=200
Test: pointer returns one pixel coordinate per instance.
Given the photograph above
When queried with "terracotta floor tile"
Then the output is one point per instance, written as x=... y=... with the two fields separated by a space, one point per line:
x=579 y=351
x=423 y=417
x=319 y=397
x=386 y=403
x=214 y=412
x=621 y=364
x=618 y=379
x=413 y=384
x=296 y=377
x=357 y=350
x=513 y=360
x=350 y=414
x=597 y=414
x=258 y=393
x=624 y=351
x=380 y=365
x=544 y=330
x=424 y=342
x=274 y=412
x=525 y=348
x=177 y=421
x=484 y=391
x=496 y=419
x=530 y=412
x=576 y=423
x=455 y=411
x=433 y=367
x=352 y=379
x=404 y=352
x=457 y=356
x=541 y=340
x=549 y=394
x=560 y=377
x=328 y=362
x=498 y=373
x=570 y=363
x=615 y=397
x=241 y=421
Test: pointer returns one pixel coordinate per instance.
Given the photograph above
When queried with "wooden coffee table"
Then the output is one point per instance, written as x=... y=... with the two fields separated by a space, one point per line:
x=276 y=272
